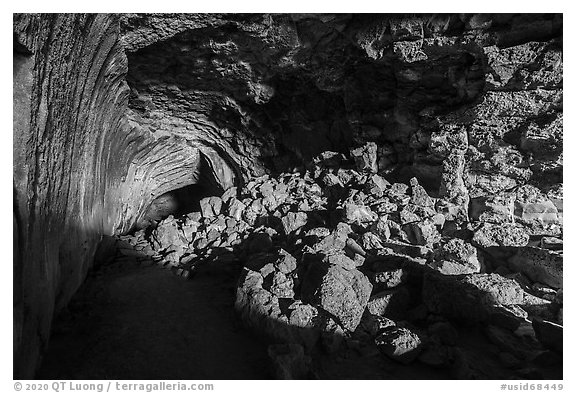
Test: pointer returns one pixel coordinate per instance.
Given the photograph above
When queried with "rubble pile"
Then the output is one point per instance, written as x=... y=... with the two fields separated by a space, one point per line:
x=334 y=256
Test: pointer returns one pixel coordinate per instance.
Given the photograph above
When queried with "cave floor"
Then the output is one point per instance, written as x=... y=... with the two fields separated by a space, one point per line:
x=133 y=322
x=130 y=321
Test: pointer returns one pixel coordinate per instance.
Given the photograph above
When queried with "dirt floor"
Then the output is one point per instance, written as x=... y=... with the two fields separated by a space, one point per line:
x=134 y=322
x=130 y=321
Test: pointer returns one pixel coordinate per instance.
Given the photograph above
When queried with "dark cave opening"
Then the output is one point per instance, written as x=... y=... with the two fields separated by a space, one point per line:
x=178 y=202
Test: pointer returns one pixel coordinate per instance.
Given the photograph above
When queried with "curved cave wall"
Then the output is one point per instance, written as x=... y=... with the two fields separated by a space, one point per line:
x=112 y=112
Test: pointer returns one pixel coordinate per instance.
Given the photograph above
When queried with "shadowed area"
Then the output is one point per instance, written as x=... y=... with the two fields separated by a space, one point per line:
x=146 y=323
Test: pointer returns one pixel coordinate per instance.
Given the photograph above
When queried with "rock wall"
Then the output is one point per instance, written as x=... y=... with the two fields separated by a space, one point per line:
x=112 y=111
x=68 y=86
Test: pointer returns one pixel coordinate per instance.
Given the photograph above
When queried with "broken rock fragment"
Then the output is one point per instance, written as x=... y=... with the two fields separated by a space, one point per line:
x=293 y=221
x=456 y=256
x=540 y=265
x=366 y=157
x=358 y=213
x=500 y=235
x=210 y=206
x=419 y=195
x=399 y=344
x=470 y=297
x=342 y=292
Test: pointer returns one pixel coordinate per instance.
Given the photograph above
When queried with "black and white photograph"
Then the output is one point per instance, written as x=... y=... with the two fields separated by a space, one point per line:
x=287 y=196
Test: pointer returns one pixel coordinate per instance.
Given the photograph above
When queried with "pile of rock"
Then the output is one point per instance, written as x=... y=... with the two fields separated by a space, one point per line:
x=337 y=253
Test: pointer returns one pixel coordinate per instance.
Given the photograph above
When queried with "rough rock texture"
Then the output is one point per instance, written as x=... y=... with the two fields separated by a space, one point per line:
x=342 y=292
x=541 y=265
x=403 y=142
x=71 y=156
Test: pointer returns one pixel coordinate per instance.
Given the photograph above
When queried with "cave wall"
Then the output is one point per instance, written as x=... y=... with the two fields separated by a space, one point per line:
x=82 y=168
x=272 y=91
x=112 y=111
x=68 y=84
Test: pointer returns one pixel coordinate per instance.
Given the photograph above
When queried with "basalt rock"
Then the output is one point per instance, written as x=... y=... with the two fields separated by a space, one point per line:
x=540 y=265
x=337 y=159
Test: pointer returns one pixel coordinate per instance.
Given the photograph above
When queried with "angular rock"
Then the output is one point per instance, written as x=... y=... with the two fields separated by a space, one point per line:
x=410 y=250
x=422 y=233
x=343 y=293
x=371 y=242
x=508 y=317
x=354 y=248
x=470 y=297
x=340 y=260
x=406 y=29
x=374 y=324
x=500 y=235
x=408 y=216
x=358 y=213
x=453 y=189
x=540 y=265
x=166 y=234
x=552 y=243
x=282 y=286
x=381 y=229
x=302 y=315
x=331 y=244
x=399 y=344
x=456 y=256
x=419 y=195
x=230 y=193
x=366 y=157
x=384 y=206
x=376 y=185
x=391 y=303
x=496 y=209
x=533 y=209
x=285 y=263
x=397 y=192
x=210 y=206
x=236 y=208
x=293 y=221
x=388 y=279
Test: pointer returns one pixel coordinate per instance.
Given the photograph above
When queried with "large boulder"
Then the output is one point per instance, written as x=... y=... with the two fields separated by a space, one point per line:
x=536 y=211
x=471 y=297
x=358 y=213
x=496 y=209
x=500 y=235
x=540 y=265
x=168 y=234
x=366 y=157
x=422 y=233
x=392 y=303
x=456 y=256
x=419 y=195
x=342 y=292
x=293 y=221
x=210 y=206
x=376 y=185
